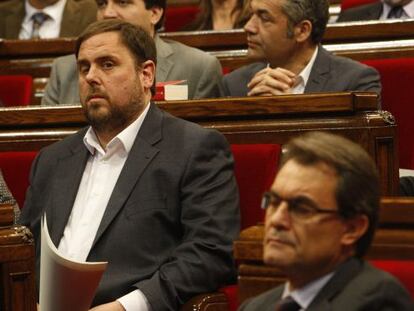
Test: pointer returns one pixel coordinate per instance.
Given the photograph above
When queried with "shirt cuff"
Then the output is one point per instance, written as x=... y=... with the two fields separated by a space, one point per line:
x=135 y=301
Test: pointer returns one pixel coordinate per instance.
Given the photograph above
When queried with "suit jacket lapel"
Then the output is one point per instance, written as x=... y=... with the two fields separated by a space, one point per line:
x=319 y=73
x=70 y=23
x=374 y=12
x=342 y=276
x=65 y=187
x=14 y=20
x=140 y=156
x=164 y=64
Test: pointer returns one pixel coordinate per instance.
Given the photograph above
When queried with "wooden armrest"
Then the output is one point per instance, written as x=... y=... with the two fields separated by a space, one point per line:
x=203 y=302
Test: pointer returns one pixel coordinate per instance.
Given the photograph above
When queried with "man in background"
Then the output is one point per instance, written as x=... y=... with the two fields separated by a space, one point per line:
x=284 y=39
x=41 y=19
x=201 y=71
x=152 y=194
x=321 y=215
x=385 y=9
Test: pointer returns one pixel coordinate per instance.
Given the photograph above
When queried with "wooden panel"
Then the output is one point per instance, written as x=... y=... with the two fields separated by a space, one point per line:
x=272 y=120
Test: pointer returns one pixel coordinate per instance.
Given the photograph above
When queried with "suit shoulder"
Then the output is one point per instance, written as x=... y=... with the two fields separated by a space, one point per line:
x=185 y=51
x=63 y=146
x=358 y=13
x=7 y=7
x=263 y=301
x=347 y=64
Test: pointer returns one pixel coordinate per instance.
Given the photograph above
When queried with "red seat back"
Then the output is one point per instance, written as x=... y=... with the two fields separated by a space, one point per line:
x=178 y=17
x=16 y=90
x=397 y=94
x=403 y=270
x=346 y=4
x=255 y=170
x=16 y=169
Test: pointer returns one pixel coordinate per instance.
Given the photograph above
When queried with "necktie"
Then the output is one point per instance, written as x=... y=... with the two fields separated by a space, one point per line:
x=287 y=304
x=38 y=19
x=396 y=12
x=7 y=197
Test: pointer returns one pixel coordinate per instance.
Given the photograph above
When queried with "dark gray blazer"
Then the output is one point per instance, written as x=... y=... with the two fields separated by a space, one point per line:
x=77 y=15
x=175 y=61
x=329 y=73
x=365 y=12
x=171 y=219
x=355 y=286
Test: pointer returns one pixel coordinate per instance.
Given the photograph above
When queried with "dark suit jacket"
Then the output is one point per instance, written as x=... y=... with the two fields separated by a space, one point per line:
x=77 y=15
x=356 y=285
x=365 y=12
x=329 y=73
x=171 y=219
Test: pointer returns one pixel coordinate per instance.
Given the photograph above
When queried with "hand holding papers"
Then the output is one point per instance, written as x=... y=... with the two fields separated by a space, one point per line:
x=66 y=285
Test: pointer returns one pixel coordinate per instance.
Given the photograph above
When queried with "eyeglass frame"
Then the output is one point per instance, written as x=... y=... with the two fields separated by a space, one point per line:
x=272 y=198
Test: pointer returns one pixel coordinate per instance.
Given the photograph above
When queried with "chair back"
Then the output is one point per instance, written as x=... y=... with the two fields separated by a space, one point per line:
x=16 y=90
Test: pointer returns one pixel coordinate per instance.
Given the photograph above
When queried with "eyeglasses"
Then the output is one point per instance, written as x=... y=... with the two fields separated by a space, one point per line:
x=298 y=208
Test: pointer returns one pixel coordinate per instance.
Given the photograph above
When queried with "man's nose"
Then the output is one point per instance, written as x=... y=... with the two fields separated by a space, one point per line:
x=279 y=217
x=109 y=11
x=92 y=76
x=250 y=26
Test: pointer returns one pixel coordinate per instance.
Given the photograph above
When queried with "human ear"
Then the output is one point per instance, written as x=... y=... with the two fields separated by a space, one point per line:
x=302 y=31
x=156 y=14
x=148 y=73
x=355 y=228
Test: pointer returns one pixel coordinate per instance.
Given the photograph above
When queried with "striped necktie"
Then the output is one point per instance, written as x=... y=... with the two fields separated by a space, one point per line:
x=396 y=12
x=38 y=19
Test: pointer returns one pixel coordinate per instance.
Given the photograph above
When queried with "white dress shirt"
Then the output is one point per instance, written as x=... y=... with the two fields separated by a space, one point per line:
x=50 y=28
x=303 y=77
x=98 y=181
x=407 y=13
x=305 y=295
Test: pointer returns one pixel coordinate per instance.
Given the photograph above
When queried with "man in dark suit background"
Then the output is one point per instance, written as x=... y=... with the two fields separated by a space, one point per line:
x=321 y=215
x=284 y=38
x=386 y=9
x=152 y=194
x=64 y=18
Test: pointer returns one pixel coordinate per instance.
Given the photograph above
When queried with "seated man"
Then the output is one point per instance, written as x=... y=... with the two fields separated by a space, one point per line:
x=152 y=194
x=32 y=19
x=386 y=9
x=284 y=37
x=321 y=215
x=176 y=61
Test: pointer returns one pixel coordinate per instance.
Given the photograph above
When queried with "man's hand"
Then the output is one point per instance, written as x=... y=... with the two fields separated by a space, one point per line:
x=112 y=306
x=269 y=82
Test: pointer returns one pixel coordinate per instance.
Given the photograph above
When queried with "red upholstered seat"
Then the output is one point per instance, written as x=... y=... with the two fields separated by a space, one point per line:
x=16 y=90
x=16 y=169
x=231 y=293
x=403 y=270
x=346 y=4
x=397 y=97
x=178 y=17
x=255 y=170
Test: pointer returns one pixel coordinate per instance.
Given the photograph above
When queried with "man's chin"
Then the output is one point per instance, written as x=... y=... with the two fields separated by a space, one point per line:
x=255 y=55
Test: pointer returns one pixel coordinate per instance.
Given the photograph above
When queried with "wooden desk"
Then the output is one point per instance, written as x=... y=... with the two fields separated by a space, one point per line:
x=272 y=120
x=394 y=240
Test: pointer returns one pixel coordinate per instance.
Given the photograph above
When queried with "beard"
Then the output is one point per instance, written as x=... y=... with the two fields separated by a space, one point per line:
x=111 y=117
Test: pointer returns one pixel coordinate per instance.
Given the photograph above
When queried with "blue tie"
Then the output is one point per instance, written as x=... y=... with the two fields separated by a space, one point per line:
x=396 y=12
x=287 y=304
x=38 y=19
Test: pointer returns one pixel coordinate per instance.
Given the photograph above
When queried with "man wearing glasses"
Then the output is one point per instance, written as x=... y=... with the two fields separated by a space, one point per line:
x=321 y=214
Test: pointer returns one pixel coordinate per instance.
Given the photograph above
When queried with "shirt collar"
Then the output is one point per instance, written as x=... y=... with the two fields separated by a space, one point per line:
x=305 y=73
x=408 y=9
x=123 y=140
x=55 y=10
x=304 y=296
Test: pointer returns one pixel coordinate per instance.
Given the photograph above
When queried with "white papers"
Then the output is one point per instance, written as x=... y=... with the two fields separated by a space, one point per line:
x=66 y=285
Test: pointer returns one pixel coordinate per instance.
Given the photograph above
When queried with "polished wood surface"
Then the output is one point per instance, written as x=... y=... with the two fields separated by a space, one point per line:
x=242 y=120
x=394 y=240
x=17 y=257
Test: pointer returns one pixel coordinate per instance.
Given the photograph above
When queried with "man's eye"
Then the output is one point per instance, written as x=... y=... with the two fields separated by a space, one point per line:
x=83 y=69
x=101 y=3
x=123 y=2
x=107 y=65
x=301 y=209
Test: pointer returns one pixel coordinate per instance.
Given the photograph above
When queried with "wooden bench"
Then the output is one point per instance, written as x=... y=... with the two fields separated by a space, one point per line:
x=394 y=240
x=272 y=120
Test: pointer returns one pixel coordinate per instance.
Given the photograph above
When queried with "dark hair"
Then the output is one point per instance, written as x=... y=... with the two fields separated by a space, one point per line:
x=358 y=182
x=204 y=19
x=158 y=3
x=316 y=11
x=136 y=39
